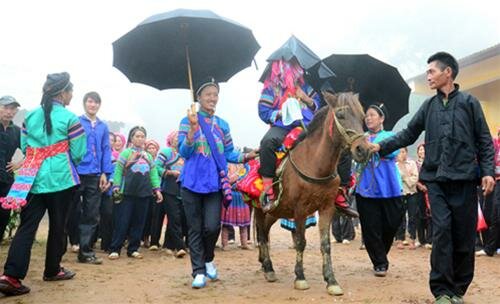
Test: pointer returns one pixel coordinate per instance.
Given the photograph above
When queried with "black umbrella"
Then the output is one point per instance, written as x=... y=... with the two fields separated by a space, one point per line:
x=375 y=81
x=294 y=48
x=175 y=49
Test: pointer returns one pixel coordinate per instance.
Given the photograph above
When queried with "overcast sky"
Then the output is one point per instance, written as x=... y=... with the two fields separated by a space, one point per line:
x=40 y=37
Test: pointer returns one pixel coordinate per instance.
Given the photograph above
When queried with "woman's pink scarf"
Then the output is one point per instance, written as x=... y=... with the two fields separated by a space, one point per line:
x=114 y=153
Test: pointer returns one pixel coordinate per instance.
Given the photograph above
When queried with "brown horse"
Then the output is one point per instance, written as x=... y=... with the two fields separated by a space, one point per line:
x=310 y=182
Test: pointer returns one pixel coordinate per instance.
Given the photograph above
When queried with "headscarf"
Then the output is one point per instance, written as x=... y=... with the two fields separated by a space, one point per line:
x=114 y=152
x=171 y=138
x=55 y=84
x=154 y=143
x=283 y=79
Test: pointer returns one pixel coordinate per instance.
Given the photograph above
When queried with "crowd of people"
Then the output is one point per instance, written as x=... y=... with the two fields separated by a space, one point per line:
x=96 y=184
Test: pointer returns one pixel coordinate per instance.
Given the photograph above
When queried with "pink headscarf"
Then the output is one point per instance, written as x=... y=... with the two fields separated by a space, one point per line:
x=285 y=74
x=114 y=152
x=154 y=143
x=171 y=138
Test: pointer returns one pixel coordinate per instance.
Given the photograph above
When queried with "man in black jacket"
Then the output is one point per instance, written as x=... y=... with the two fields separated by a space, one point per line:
x=457 y=143
x=10 y=140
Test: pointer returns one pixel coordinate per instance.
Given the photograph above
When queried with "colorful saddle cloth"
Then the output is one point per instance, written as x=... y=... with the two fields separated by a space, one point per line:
x=251 y=185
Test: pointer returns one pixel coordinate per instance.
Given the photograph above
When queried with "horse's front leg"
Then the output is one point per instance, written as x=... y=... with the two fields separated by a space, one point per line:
x=325 y=221
x=263 y=225
x=300 y=244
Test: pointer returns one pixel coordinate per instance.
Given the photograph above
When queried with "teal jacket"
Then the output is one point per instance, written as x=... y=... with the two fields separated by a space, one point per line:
x=58 y=172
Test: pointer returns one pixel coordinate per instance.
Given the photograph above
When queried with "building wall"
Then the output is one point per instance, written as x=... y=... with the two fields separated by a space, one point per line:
x=489 y=96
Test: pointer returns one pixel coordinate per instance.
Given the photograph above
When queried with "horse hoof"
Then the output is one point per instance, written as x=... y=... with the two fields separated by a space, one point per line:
x=335 y=290
x=270 y=276
x=301 y=285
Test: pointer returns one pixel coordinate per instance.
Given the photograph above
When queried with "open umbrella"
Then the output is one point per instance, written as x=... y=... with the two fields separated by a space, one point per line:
x=178 y=48
x=375 y=81
x=314 y=68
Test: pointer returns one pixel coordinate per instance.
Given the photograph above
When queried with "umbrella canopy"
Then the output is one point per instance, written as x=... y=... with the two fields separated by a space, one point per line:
x=164 y=49
x=375 y=81
x=294 y=48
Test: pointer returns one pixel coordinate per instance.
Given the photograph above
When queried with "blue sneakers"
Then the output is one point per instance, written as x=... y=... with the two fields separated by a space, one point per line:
x=211 y=271
x=199 y=281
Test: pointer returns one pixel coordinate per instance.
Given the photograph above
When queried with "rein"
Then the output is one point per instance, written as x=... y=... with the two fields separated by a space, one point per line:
x=349 y=139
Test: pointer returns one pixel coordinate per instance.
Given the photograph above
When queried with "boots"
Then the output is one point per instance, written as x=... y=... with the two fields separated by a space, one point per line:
x=343 y=206
x=268 y=198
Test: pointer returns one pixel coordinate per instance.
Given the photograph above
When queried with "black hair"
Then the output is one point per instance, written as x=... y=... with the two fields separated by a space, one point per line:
x=55 y=84
x=445 y=60
x=380 y=109
x=94 y=95
x=209 y=81
x=133 y=131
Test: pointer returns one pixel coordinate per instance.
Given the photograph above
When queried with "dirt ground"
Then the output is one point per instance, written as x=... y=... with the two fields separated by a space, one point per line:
x=159 y=278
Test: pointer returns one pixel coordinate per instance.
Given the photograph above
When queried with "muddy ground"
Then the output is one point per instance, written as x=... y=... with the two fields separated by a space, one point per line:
x=159 y=278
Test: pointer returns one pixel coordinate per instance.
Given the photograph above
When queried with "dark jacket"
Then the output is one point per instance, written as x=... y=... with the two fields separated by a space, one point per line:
x=10 y=140
x=344 y=168
x=457 y=138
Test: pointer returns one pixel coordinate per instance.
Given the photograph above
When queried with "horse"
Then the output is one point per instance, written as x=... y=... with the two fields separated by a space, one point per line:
x=310 y=182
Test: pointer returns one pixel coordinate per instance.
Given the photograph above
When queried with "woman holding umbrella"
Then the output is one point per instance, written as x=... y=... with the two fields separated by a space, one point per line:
x=205 y=143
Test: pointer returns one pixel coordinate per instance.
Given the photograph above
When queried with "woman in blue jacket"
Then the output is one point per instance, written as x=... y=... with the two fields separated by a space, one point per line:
x=378 y=196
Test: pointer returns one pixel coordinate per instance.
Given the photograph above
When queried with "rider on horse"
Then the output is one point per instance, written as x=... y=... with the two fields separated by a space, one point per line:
x=284 y=81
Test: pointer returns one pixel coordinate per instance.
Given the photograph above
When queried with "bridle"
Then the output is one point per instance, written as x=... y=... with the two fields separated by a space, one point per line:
x=349 y=139
x=349 y=136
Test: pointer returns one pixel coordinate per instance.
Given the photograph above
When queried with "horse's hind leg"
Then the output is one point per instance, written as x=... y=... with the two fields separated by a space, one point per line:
x=300 y=244
x=264 y=224
x=325 y=220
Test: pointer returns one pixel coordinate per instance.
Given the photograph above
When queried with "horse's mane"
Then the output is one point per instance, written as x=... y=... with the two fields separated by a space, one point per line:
x=345 y=99
x=318 y=119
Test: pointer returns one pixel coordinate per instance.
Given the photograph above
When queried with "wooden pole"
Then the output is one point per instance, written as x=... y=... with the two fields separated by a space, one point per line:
x=190 y=76
x=184 y=29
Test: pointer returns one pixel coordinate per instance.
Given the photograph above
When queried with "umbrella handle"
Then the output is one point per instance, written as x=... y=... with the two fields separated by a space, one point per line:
x=190 y=77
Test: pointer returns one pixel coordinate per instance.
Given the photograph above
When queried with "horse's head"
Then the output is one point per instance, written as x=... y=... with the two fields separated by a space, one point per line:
x=347 y=121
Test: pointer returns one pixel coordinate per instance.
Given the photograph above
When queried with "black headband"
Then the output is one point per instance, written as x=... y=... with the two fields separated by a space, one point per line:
x=209 y=82
x=378 y=109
